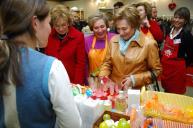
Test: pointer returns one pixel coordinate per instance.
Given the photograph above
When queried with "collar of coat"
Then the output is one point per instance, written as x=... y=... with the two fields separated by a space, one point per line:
x=142 y=39
x=71 y=33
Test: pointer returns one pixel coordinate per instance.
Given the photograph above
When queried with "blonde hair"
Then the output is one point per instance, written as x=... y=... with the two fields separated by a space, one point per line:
x=129 y=13
x=60 y=11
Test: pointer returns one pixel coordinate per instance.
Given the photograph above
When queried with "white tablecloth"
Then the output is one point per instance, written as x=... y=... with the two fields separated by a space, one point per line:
x=90 y=110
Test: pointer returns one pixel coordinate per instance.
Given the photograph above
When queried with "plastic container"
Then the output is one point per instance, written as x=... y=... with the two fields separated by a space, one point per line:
x=133 y=98
x=107 y=105
x=121 y=102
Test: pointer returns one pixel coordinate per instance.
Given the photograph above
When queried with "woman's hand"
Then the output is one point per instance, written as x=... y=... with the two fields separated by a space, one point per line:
x=126 y=83
x=146 y=23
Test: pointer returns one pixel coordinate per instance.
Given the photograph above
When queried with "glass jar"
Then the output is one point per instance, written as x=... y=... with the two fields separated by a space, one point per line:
x=121 y=102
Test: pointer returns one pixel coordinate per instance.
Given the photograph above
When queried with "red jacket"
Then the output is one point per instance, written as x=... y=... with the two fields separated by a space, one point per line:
x=70 y=51
x=155 y=30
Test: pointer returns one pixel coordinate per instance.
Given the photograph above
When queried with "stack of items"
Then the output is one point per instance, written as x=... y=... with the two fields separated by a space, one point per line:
x=155 y=109
x=93 y=102
x=166 y=109
x=145 y=109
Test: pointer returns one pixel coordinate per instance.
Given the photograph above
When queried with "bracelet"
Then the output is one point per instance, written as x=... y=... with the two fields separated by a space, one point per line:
x=132 y=80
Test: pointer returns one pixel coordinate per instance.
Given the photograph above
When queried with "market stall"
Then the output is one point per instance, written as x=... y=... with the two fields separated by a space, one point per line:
x=143 y=109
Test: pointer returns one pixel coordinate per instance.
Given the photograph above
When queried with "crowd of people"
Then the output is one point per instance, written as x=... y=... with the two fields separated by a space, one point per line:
x=126 y=47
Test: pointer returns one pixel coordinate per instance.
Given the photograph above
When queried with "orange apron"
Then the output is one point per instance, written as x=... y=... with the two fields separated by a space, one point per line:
x=96 y=56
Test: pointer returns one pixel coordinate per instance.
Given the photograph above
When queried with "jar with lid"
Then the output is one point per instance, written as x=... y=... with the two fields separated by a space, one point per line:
x=121 y=102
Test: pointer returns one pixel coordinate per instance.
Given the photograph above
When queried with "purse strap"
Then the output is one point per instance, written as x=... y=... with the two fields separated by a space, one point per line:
x=154 y=78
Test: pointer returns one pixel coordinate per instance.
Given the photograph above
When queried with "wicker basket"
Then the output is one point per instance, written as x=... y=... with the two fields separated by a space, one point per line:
x=114 y=116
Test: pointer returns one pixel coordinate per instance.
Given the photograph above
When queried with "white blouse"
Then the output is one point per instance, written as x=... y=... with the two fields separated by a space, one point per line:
x=61 y=97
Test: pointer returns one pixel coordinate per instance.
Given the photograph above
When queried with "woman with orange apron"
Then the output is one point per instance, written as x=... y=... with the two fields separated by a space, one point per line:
x=96 y=57
x=97 y=43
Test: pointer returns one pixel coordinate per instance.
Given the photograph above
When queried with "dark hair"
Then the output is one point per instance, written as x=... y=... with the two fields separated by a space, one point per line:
x=118 y=4
x=147 y=7
x=184 y=12
x=129 y=13
x=16 y=17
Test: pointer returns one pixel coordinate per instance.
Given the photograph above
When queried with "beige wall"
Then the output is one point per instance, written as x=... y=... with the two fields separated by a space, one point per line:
x=90 y=6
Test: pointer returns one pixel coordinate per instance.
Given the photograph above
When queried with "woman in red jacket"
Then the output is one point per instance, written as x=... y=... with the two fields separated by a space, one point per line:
x=147 y=24
x=67 y=44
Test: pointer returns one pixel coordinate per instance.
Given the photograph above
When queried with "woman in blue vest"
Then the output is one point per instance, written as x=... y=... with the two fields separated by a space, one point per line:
x=34 y=88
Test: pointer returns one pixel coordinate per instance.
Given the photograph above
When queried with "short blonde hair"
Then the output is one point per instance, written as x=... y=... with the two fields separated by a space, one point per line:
x=129 y=13
x=60 y=11
x=92 y=19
